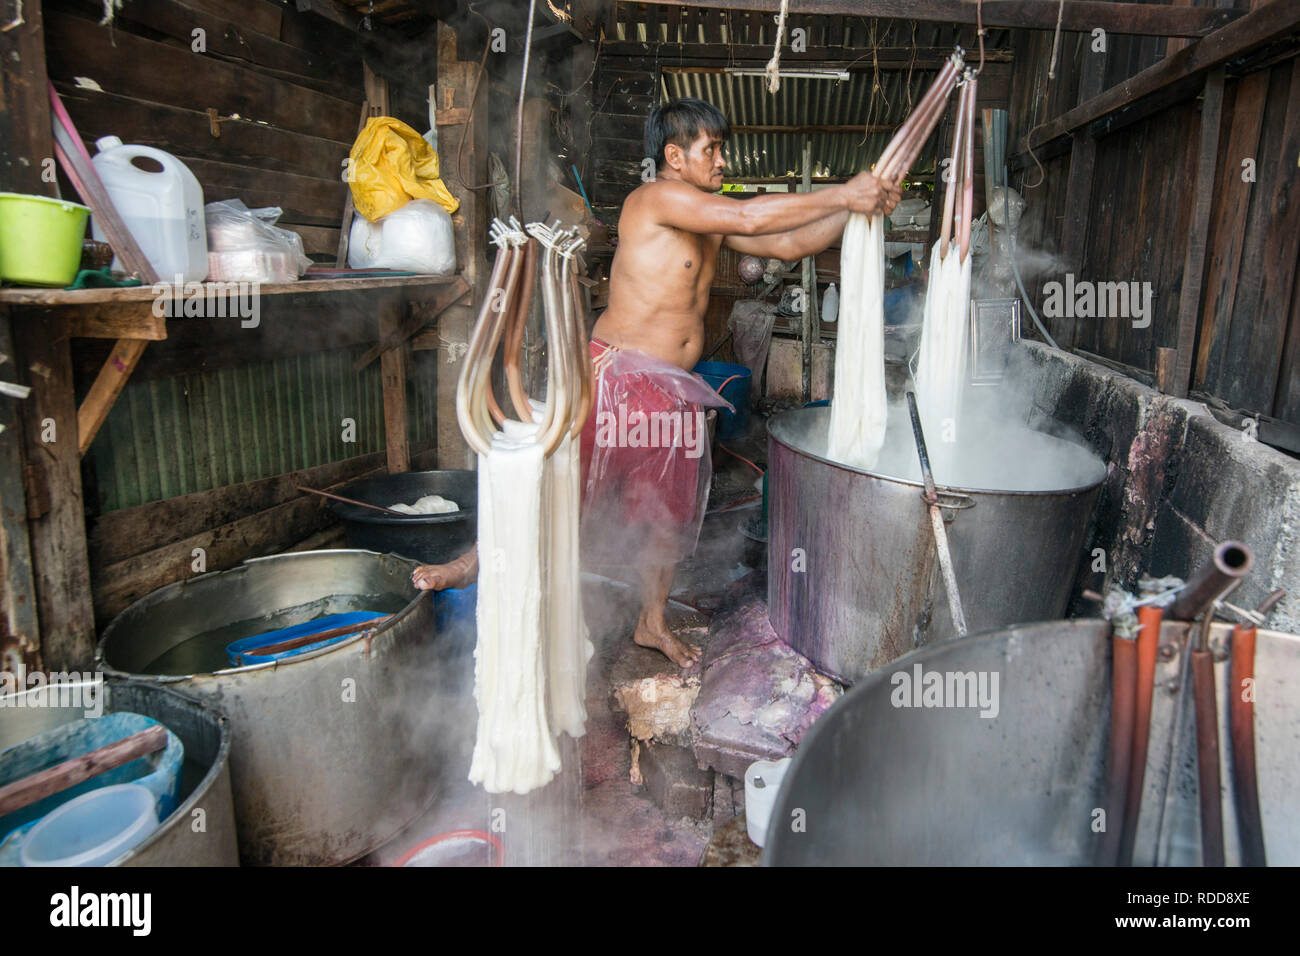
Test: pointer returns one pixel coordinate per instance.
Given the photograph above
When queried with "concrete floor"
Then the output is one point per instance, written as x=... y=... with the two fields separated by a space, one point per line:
x=592 y=815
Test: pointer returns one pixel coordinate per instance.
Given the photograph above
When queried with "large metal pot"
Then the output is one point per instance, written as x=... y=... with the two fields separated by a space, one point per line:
x=334 y=751
x=865 y=588
x=878 y=783
x=201 y=830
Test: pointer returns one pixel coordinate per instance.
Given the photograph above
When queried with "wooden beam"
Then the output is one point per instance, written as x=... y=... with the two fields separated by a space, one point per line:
x=420 y=315
x=1077 y=16
x=697 y=58
x=1257 y=28
x=58 y=532
x=106 y=321
x=1189 y=297
x=108 y=385
x=25 y=140
x=456 y=81
x=44 y=783
x=21 y=632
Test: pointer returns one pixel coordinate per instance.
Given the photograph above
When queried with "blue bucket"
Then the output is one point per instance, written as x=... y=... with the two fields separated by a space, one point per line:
x=730 y=424
x=454 y=607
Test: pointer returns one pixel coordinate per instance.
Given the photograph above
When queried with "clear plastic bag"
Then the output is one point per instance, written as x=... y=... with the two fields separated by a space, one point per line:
x=245 y=245
x=646 y=461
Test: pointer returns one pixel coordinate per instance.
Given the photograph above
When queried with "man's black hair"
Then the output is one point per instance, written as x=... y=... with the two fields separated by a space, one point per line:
x=681 y=121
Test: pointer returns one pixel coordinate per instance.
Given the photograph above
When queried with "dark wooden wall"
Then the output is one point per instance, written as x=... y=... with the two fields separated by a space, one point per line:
x=294 y=79
x=1138 y=212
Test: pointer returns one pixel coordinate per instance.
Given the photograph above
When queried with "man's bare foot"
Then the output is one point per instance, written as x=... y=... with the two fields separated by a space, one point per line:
x=661 y=639
x=460 y=573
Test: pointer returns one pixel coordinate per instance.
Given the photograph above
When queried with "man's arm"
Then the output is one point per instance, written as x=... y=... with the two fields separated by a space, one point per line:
x=788 y=246
x=687 y=208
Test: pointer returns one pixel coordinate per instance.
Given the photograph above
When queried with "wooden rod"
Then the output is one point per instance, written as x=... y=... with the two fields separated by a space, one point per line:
x=38 y=786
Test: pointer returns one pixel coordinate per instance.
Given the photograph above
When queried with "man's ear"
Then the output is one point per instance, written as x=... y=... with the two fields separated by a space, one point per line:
x=674 y=156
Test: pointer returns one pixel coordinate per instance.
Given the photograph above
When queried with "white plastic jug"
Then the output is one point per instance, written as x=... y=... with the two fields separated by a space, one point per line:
x=163 y=210
x=831 y=304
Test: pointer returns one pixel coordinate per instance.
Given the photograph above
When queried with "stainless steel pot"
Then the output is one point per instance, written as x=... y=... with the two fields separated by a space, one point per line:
x=864 y=588
x=201 y=830
x=875 y=782
x=334 y=751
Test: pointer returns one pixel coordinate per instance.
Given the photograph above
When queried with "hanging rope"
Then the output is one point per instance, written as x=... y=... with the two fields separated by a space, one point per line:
x=980 y=31
x=1056 y=41
x=773 y=69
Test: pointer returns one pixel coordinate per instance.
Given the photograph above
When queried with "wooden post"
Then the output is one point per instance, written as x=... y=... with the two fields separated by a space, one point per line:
x=57 y=524
x=1166 y=362
x=393 y=373
x=456 y=83
x=1189 y=298
x=21 y=640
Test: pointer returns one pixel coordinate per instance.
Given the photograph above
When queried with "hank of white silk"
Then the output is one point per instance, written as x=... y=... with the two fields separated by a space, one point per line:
x=941 y=361
x=859 y=409
x=530 y=661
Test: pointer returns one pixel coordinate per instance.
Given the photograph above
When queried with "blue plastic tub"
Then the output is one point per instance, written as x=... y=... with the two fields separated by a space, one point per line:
x=735 y=390
x=159 y=772
x=243 y=651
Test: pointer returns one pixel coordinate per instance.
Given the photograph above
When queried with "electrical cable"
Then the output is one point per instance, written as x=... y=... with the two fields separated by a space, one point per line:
x=519 y=112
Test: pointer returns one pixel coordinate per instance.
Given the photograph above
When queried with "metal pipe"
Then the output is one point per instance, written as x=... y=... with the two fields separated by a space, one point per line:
x=1120 y=753
x=1241 y=726
x=1231 y=562
x=1207 y=747
x=936 y=521
x=1148 y=640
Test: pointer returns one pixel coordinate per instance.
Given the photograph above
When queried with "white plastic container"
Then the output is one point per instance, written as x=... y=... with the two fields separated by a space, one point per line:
x=831 y=304
x=163 y=209
x=93 y=829
x=762 y=782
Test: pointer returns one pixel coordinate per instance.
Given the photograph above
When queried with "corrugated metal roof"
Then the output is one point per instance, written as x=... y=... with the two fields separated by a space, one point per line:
x=195 y=432
x=805 y=102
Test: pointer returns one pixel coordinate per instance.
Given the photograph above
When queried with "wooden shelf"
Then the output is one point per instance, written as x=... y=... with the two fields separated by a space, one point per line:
x=61 y=298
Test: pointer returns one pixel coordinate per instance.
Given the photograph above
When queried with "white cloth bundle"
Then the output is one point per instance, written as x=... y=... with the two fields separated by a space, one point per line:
x=859 y=410
x=427 y=505
x=941 y=361
x=530 y=663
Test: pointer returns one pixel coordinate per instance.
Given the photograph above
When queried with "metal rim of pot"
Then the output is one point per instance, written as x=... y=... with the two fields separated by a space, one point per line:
x=168 y=590
x=959 y=491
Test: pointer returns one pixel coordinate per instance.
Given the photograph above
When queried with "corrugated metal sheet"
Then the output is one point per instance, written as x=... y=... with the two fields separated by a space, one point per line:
x=195 y=432
x=805 y=102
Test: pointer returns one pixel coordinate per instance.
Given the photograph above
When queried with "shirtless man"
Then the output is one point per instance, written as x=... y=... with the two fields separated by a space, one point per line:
x=669 y=234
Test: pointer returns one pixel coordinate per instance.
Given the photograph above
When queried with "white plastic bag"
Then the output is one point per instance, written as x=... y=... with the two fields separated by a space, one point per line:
x=416 y=238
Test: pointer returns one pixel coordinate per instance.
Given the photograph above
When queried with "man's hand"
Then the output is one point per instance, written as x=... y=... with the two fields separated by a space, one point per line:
x=871 y=196
x=460 y=573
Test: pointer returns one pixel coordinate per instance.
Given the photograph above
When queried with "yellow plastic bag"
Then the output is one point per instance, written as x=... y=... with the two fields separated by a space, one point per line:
x=391 y=165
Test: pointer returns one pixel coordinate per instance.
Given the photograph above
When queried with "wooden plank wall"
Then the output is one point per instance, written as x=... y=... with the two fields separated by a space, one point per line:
x=1247 y=349
x=294 y=79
